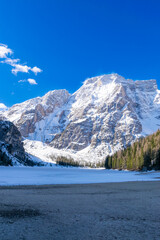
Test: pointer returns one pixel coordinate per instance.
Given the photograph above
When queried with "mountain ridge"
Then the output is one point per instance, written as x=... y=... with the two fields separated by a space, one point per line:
x=105 y=114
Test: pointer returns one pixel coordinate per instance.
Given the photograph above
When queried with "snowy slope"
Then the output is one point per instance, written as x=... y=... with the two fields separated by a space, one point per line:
x=107 y=113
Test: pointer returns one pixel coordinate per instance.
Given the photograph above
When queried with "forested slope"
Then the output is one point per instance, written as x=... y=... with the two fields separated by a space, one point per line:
x=141 y=155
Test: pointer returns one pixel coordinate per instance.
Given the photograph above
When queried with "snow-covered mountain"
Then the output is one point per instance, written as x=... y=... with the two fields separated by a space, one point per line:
x=37 y=118
x=107 y=113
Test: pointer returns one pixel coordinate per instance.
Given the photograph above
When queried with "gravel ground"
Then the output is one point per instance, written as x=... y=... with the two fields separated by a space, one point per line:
x=81 y=212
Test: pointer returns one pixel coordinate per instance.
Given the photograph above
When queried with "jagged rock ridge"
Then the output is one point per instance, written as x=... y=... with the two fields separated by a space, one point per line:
x=107 y=113
x=29 y=115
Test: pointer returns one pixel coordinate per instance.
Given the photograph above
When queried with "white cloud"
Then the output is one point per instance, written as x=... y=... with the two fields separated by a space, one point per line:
x=10 y=61
x=4 y=51
x=36 y=70
x=32 y=81
x=21 y=81
x=17 y=67
x=29 y=80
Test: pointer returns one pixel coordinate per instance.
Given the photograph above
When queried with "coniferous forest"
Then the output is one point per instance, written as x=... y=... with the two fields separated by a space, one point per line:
x=141 y=155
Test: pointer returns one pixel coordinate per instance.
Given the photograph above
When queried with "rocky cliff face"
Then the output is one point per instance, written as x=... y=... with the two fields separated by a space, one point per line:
x=11 y=145
x=29 y=116
x=107 y=113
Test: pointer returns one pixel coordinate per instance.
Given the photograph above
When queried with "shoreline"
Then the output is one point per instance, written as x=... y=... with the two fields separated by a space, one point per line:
x=47 y=186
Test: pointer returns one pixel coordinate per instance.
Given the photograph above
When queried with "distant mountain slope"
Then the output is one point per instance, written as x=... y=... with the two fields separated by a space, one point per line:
x=106 y=114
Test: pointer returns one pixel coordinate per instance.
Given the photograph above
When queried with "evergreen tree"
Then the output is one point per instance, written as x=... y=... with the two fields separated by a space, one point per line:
x=144 y=153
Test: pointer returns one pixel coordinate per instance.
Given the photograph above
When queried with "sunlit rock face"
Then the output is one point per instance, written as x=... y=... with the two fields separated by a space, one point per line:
x=107 y=113
x=34 y=117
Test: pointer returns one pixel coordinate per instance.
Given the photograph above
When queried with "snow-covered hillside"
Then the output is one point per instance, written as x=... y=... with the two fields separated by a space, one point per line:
x=107 y=113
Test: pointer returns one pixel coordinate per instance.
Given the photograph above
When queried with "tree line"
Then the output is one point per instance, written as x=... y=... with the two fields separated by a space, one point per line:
x=141 y=155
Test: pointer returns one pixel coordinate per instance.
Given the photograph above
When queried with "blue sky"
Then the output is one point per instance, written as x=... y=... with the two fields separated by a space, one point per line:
x=71 y=40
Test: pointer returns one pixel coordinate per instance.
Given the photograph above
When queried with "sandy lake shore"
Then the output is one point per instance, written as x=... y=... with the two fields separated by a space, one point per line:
x=129 y=210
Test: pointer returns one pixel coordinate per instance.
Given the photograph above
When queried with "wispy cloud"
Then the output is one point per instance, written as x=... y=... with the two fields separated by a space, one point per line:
x=6 y=53
x=31 y=81
x=21 y=81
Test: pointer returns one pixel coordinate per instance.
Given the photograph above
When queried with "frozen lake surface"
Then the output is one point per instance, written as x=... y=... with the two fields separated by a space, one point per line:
x=61 y=175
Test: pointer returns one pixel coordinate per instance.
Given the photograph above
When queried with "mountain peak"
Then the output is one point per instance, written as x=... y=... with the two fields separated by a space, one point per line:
x=105 y=79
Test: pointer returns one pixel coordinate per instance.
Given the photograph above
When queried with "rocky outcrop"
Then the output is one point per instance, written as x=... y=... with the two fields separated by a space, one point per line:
x=11 y=145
